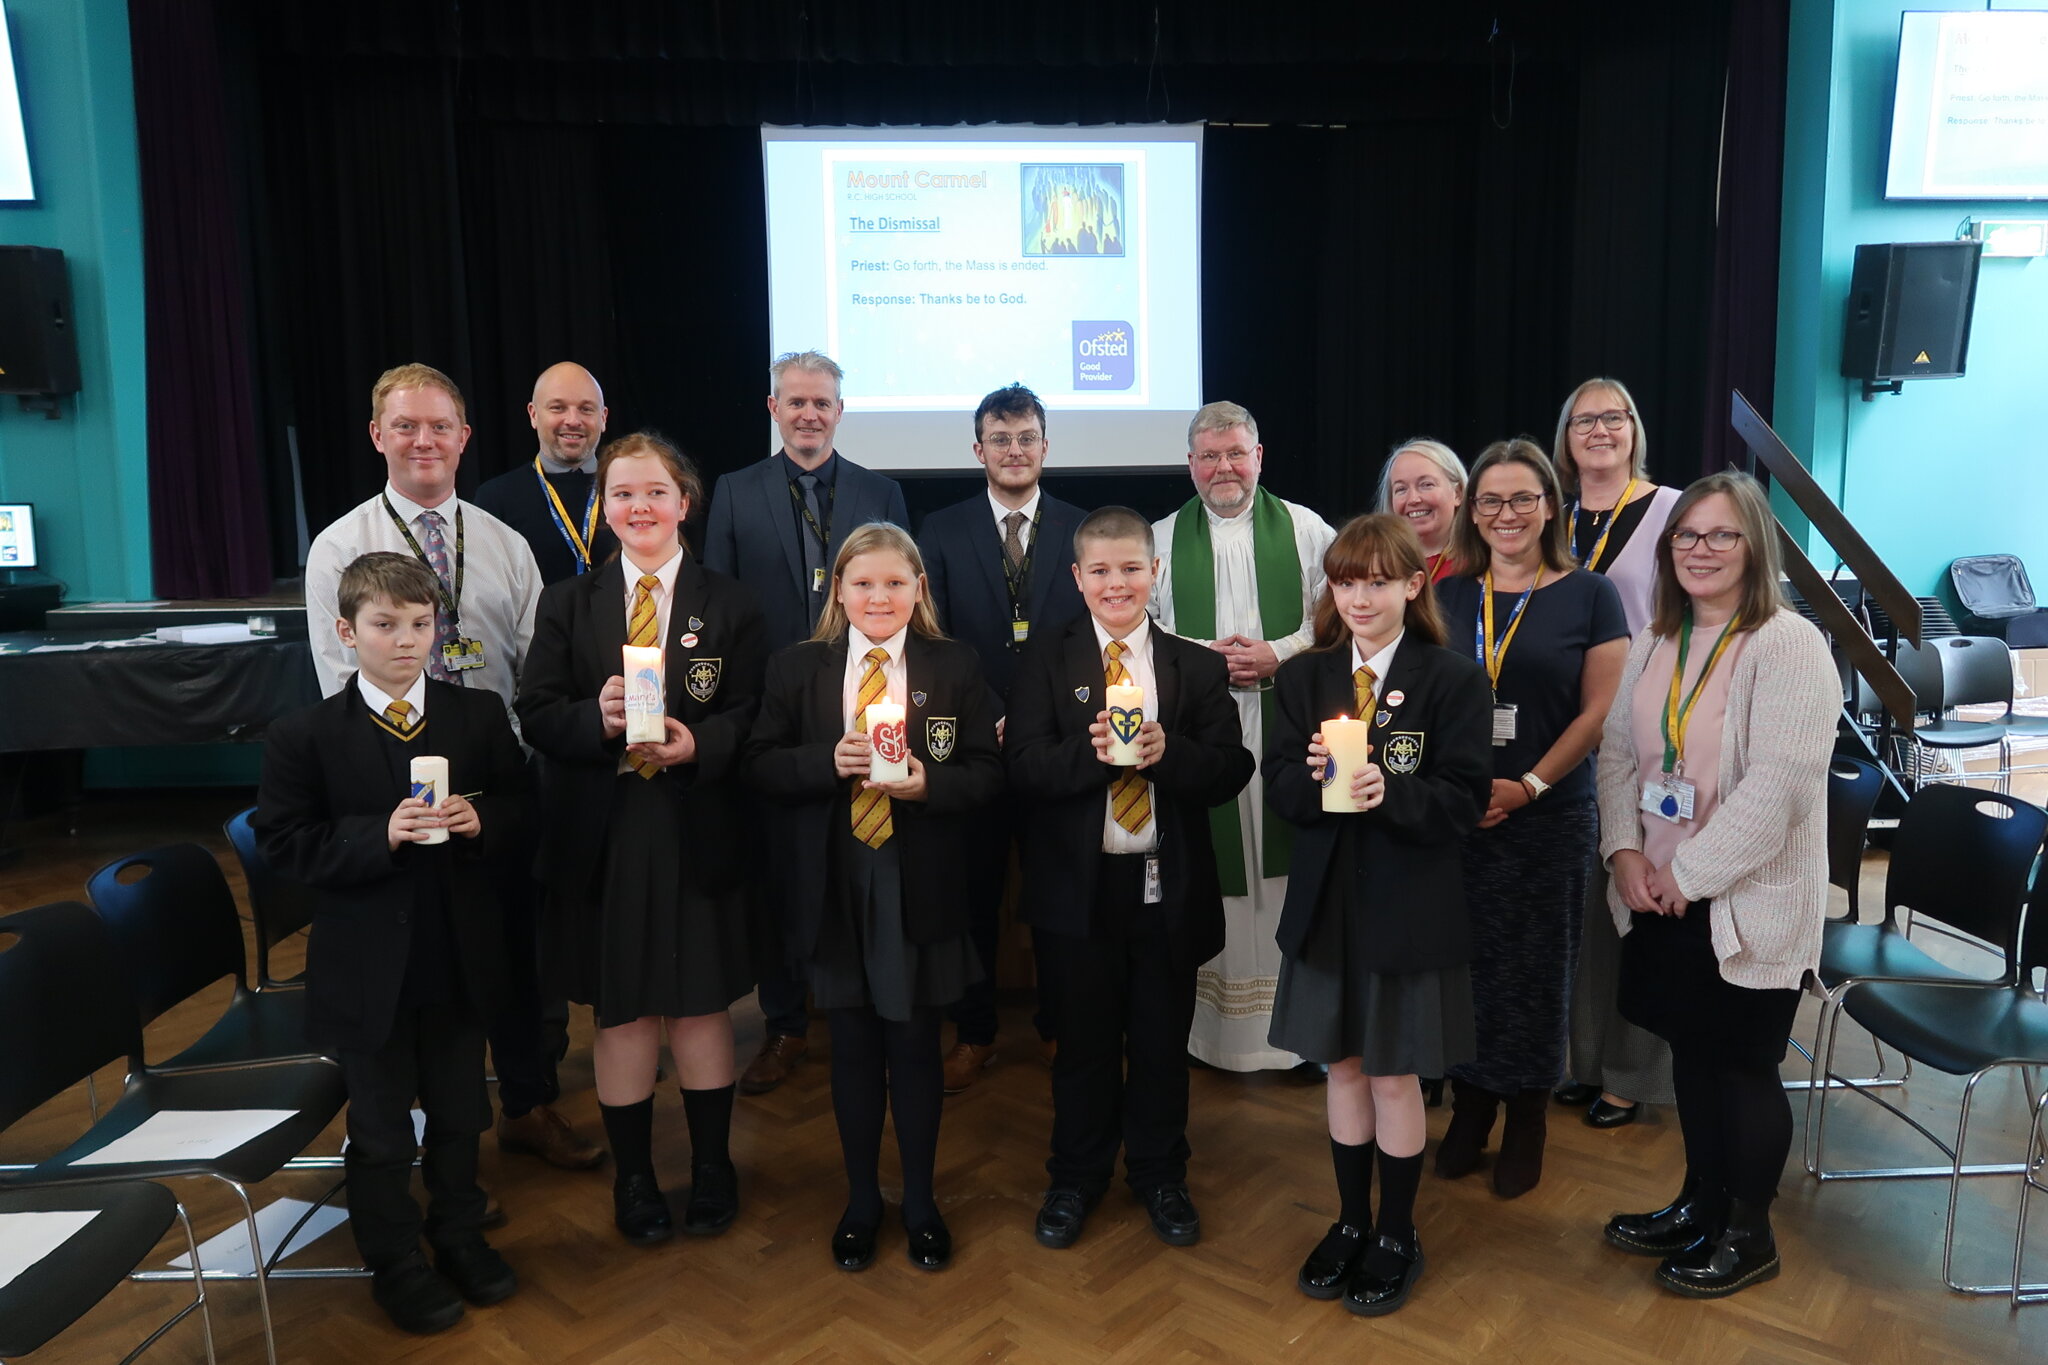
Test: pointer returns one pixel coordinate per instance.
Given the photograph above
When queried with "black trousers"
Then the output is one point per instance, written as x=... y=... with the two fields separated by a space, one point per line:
x=436 y=1055
x=1121 y=1002
x=530 y=1034
x=974 y=1013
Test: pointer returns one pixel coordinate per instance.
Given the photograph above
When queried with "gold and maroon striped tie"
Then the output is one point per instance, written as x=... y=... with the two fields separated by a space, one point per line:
x=872 y=823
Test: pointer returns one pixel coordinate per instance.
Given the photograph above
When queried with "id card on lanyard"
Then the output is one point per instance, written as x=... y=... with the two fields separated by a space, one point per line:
x=1493 y=655
x=461 y=653
x=1669 y=794
x=1017 y=581
x=579 y=535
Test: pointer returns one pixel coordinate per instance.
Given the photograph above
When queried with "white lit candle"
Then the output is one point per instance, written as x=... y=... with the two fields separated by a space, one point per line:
x=1126 y=704
x=1350 y=751
x=430 y=784
x=646 y=702
x=889 y=746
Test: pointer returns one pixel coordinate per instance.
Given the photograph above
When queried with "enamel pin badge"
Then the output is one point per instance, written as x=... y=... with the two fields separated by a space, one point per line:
x=917 y=699
x=1081 y=694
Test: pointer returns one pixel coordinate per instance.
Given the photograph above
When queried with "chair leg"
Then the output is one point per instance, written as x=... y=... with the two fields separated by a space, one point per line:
x=256 y=1260
x=2022 y=1292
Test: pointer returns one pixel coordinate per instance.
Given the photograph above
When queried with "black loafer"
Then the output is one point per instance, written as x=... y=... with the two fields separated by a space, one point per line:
x=1385 y=1275
x=931 y=1246
x=853 y=1245
x=1575 y=1095
x=1605 y=1115
x=714 y=1199
x=640 y=1210
x=478 y=1273
x=1328 y=1268
x=1662 y=1232
x=415 y=1297
x=1173 y=1215
x=1060 y=1218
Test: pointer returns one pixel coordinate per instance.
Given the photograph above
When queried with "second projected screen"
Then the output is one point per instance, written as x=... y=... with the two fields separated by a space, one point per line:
x=937 y=265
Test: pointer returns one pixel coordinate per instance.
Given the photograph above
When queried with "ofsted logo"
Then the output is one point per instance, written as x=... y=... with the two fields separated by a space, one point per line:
x=1103 y=355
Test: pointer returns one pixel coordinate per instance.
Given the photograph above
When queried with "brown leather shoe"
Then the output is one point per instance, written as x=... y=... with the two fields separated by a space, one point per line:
x=541 y=1132
x=964 y=1064
x=779 y=1054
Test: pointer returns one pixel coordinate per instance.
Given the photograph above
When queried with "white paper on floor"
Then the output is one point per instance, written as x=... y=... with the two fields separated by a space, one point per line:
x=25 y=1238
x=187 y=1135
x=229 y=1250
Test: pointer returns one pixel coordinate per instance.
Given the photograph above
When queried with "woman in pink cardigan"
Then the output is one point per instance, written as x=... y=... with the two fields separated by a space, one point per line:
x=1713 y=813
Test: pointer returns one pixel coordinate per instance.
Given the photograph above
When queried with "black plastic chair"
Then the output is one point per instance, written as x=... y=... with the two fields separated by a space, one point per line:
x=1853 y=788
x=178 y=933
x=278 y=906
x=1960 y=858
x=1970 y=1029
x=1946 y=672
x=62 y=1019
x=129 y=1218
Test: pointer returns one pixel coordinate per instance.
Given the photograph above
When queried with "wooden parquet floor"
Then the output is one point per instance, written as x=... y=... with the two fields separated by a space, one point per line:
x=1528 y=1281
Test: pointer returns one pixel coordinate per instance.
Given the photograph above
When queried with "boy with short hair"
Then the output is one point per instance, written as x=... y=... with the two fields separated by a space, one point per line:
x=406 y=955
x=1120 y=880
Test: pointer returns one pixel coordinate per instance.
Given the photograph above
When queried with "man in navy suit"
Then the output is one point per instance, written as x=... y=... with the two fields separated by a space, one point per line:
x=777 y=526
x=1000 y=570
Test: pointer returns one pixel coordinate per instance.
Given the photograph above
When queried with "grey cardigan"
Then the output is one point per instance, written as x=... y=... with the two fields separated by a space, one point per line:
x=1761 y=859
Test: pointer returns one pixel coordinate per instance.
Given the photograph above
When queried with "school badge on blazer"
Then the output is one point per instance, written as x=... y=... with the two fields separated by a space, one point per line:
x=1403 y=751
x=701 y=677
x=939 y=734
x=1081 y=694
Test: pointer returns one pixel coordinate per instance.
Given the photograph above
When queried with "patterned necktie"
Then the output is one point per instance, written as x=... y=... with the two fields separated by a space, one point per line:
x=1013 y=539
x=397 y=720
x=814 y=549
x=437 y=559
x=643 y=629
x=872 y=823
x=1130 y=796
x=1361 y=692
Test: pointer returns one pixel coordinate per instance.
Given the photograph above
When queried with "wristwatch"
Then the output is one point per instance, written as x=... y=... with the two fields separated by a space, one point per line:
x=1535 y=786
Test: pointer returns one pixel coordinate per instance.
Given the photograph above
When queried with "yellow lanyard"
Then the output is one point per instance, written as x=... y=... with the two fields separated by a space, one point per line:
x=1493 y=655
x=1678 y=716
x=567 y=524
x=1594 y=558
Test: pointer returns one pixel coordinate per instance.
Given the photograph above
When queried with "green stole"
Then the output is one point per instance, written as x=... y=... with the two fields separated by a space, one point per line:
x=1278 y=564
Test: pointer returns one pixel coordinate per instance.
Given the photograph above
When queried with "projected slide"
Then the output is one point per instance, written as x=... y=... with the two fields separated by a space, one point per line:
x=15 y=184
x=1970 y=113
x=938 y=264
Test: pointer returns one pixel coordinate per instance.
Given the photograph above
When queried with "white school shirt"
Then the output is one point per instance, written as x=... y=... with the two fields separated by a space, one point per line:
x=378 y=700
x=1029 y=509
x=1138 y=661
x=894 y=672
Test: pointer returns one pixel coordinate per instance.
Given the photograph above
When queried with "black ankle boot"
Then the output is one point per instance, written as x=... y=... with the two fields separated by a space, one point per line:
x=1472 y=1114
x=1716 y=1266
x=1666 y=1231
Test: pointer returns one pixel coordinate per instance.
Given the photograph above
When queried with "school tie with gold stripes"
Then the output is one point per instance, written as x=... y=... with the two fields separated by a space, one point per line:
x=1130 y=796
x=643 y=630
x=397 y=720
x=1362 y=683
x=872 y=823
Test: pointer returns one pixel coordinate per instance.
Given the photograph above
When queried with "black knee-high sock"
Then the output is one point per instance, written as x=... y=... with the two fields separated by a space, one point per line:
x=1400 y=1177
x=1756 y=1131
x=916 y=1099
x=1354 y=1182
x=709 y=1114
x=629 y=1128
x=859 y=1094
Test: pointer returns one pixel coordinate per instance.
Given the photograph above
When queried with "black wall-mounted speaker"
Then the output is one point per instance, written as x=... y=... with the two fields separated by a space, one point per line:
x=38 y=343
x=1909 y=310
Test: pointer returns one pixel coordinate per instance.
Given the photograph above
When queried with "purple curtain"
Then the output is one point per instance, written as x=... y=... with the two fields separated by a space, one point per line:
x=1742 y=346
x=208 y=519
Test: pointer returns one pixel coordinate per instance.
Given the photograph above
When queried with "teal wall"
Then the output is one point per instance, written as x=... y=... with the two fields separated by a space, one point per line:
x=1953 y=466
x=87 y=472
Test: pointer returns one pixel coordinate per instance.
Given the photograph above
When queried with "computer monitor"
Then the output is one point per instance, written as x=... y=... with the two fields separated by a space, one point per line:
x=18 y=536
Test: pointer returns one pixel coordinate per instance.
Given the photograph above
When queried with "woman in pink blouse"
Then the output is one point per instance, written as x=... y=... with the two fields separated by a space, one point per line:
x=1713 y=795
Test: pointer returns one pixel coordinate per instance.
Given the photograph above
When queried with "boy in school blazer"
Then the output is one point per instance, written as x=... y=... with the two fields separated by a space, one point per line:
x=406 y=958
x=1120 y=883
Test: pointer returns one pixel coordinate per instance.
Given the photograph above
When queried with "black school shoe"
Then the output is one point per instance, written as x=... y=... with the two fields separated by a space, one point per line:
x=1329 y=1267
x=1385 y=1275
x=853 y=1244
x=1601 y=1114
x=1713 y=1268
x=1173 y=1215
x=640 y=1210
x=714 y=1199
x=1666 y=1231
x=477 y=1272
x=931 y=1245
x=415 y=1297
x=1061 y=1216
x=1576 y=1096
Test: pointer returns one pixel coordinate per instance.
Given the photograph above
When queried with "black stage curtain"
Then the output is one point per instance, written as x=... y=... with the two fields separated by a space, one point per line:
x=1429 y=220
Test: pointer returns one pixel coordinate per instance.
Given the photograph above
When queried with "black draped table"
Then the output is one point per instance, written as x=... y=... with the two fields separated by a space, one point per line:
x=146 y=693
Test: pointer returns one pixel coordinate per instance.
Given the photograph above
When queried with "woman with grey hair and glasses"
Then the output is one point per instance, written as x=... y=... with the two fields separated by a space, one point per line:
x=1423 y=483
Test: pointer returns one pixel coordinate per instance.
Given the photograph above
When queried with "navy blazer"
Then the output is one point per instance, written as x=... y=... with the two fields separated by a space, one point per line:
x=1406 y=898
x=963 y=559
x=1053 y=767
x=323 y=809
x=952 y=731
x=752 y=536
x=713 y=686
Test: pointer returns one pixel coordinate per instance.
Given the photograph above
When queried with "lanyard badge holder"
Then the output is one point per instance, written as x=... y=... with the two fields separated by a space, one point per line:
x=1492 y=655
x=462 y=653
x=1669 y=794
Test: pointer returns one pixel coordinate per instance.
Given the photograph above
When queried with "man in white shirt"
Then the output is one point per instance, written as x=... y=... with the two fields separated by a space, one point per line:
x=489 y=585
x=1240 y=571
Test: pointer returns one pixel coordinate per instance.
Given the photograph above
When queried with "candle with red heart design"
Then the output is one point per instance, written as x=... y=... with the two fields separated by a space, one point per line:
x=889 y=746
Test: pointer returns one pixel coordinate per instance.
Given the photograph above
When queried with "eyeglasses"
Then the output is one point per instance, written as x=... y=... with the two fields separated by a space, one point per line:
x=1720 y=542
x=1612 y=419
x=1489 y=504
x=1209 y=459
x=1027 y=443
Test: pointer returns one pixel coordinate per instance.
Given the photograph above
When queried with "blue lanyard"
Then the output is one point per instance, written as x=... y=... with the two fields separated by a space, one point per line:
x=579 y=546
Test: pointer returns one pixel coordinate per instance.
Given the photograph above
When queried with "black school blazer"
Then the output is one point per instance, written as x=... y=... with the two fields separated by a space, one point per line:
x=1407 y=901
x=713 y=686
x=322 y=811
x=1054 y=770
x=952 y=730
